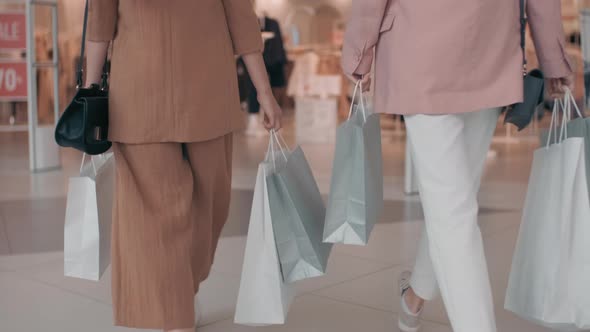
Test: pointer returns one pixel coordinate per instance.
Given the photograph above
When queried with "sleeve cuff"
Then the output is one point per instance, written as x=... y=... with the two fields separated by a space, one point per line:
x=366 y=63
x=99 y=39
x=254 y=47
x=357 y=62
x=557 y=68
x=102 y=20
x=101 y=31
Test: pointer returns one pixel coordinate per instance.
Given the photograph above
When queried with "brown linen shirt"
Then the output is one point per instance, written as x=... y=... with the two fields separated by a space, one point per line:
x=173 y=74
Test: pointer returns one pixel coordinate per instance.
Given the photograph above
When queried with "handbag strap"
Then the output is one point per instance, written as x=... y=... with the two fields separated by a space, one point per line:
x=523 y=23
x=80 y=69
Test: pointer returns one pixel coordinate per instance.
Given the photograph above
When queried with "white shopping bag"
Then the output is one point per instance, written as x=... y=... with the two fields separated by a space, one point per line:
x=263 y=299
x=87 y=231
x=550 y=277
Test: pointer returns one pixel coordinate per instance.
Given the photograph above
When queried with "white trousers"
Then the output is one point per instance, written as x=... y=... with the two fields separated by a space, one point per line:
x=449 y=152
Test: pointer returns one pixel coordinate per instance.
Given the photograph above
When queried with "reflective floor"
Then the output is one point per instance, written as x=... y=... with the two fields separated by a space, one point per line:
x=357 y=294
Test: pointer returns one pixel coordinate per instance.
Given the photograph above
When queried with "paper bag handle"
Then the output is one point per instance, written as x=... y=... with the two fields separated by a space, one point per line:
x=91 y=160
x=571 y=100
x=566 y=106
x=276 y=138
x=358 y=86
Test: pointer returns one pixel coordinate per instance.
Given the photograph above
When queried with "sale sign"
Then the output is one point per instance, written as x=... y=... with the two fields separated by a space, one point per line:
x=13 y=27
x=13 y=80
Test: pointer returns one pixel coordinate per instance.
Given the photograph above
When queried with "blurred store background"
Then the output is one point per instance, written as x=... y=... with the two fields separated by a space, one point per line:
x=303 y=43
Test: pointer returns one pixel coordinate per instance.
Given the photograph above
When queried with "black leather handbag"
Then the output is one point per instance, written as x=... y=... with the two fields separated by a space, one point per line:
x=85 y=122
x=521 y=114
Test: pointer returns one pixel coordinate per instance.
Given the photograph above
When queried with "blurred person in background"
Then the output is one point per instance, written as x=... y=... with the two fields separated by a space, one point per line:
x=275 y=58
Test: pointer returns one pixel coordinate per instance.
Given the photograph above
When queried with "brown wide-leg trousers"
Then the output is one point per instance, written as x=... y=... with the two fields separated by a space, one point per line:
x=171 y=203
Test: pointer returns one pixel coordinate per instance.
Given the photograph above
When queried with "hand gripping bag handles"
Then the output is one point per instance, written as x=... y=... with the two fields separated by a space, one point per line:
x=549 y=280
x=356 y=193
x=87 y=230
x=579 y=127
x=521 y=114
x=84 y=124
x=264 y=298
x=298 y=214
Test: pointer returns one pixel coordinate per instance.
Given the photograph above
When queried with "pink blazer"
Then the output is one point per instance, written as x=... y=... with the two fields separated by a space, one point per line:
x=452 y=56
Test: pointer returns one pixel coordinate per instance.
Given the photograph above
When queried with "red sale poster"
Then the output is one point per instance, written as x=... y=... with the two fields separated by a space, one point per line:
x=13 y=28
x=13 y=80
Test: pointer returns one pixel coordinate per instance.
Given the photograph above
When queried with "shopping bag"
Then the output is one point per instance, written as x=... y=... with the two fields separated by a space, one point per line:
x=551 y=265
x=356 y=190
x=263 y=298
x=87 y=230
x=579 y=127
x=298 y=215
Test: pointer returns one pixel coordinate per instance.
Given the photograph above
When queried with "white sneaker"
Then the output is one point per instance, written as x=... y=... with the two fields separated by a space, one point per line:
x=408 y=321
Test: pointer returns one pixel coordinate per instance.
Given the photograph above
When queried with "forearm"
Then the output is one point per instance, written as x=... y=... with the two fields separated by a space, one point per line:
x=96 y=54
x=257 y=70
x=544 y=17
x=362 y=34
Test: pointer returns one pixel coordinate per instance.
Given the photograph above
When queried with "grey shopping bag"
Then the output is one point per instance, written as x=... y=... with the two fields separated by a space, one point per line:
x=298 y=214
x=579 y=127
x=356 y=191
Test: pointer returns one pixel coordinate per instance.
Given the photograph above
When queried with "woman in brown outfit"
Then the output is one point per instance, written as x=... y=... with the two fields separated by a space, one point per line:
x=173 y=107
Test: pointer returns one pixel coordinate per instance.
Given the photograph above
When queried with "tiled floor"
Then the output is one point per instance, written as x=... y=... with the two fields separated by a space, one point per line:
x=357 y=294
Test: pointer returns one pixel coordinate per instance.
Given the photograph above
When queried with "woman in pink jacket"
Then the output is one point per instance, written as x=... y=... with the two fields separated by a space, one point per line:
x=450 y=67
